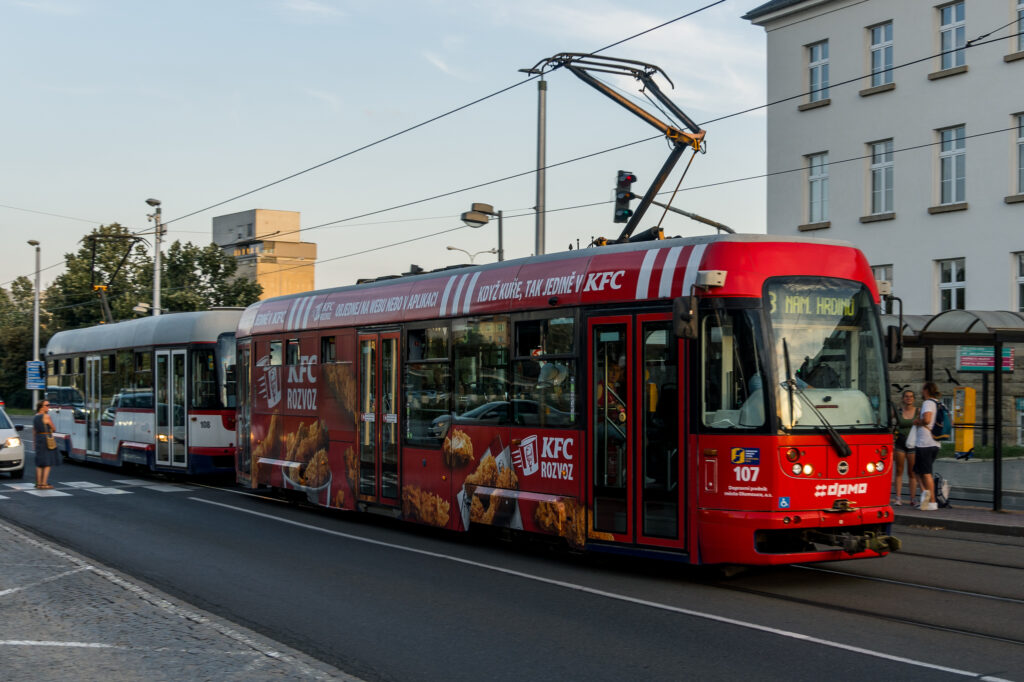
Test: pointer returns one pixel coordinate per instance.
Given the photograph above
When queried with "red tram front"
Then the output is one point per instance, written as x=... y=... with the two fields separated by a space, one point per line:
x=562 y=395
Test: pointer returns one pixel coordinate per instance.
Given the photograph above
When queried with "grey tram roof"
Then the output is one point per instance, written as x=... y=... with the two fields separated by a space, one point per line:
x=978 y=327
x=158 y=330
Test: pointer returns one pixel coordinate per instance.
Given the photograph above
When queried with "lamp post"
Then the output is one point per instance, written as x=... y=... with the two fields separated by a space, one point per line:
x=158 y=233
x=35 y=322
x=542 y=97
x=471 y=255
x=479 y=215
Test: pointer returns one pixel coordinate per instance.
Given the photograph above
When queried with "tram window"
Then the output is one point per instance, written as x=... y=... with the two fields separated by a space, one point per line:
x=109 y=364
x=481 y=355
x=143 y=361
x=427 y=343
x=733 y=375
x=544 y=373
x=328 y=349
x=205 y=388
x=275 y=353
x=292 y=352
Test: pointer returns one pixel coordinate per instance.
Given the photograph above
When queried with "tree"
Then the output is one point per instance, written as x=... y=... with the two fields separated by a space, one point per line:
x=119 y=261
x=16 y=336
x=198 y=278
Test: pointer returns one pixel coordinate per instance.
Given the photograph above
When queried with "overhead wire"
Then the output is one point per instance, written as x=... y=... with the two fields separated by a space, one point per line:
x=976 y=42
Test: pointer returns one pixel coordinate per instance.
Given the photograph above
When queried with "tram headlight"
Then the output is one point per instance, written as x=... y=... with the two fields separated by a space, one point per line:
x=797 y=469
x=808 y=470
x=871 y=467
x=880 y=467
x=883 y=452
x=793 y=455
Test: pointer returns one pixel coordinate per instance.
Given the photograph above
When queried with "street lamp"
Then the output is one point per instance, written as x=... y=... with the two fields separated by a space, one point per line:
x=158 y=232
x=479 y=215
x=35 y=322
x=471 y=255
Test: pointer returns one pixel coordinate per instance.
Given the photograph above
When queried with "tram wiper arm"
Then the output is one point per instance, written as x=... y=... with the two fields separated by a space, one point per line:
x=790 y=384
x=841 y=446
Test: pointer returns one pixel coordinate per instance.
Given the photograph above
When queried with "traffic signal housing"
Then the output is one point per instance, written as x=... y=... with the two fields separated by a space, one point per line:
x=623 y=196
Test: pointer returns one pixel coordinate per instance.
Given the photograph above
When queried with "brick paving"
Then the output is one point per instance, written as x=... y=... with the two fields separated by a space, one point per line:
x=64 y=617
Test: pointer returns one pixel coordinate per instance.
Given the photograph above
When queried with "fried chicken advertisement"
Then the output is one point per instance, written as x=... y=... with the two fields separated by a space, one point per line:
x=458 y=448
x=268 y=448
x=494 y=508
x=424 y=506
x=308 y=447
x=342 y=383
x=569 y=519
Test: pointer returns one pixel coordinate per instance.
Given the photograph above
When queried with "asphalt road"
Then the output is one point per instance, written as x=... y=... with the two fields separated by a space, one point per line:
x=385 y=601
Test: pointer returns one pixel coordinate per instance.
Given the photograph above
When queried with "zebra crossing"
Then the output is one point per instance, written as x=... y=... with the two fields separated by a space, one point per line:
x=124 y=486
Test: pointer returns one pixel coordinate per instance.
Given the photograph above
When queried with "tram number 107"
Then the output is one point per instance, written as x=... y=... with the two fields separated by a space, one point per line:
x=748 y=474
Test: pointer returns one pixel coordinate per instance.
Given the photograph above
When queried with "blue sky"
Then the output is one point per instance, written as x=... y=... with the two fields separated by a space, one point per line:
x=109 y=102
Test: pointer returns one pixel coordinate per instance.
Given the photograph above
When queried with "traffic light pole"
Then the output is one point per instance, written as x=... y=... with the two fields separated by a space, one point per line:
x=652 y=192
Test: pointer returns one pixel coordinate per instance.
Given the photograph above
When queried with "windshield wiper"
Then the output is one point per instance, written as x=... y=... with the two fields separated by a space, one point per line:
x=841 y=446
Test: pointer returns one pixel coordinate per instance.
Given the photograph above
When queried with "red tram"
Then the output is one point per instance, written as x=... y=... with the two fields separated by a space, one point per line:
x=562 y=394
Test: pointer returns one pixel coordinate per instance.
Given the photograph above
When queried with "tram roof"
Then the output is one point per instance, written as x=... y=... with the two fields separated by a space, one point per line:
x=649 y=270
x=157 y=330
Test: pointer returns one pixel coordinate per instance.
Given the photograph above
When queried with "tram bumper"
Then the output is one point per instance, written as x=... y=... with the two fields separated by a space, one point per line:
x=794 y=536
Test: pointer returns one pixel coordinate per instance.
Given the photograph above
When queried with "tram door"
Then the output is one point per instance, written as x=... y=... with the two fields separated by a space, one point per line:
x=171 y=434
x=93 y=404
x=635 y=488
x=378 y=417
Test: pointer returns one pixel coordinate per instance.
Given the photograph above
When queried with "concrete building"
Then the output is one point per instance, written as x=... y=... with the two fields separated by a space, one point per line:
x=268 y=250
x=904 y=138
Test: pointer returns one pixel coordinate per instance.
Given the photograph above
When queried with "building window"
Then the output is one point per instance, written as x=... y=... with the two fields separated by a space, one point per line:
x=952 y=35
x=952 y=166
x=883 y=273
x=1020 y=153
x=817 y=187
x=881 y=54
x=952 y=284
x=1020 y=282
x=818 y=64
x=1020 y=25
x=881 y=177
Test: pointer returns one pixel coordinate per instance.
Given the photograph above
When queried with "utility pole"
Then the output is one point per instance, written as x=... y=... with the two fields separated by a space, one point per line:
x=158 y=233
x=542 y=103
x=35 y=322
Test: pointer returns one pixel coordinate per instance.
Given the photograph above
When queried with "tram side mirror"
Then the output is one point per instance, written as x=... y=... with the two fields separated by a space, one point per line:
x=894 y=344
x=684 y=317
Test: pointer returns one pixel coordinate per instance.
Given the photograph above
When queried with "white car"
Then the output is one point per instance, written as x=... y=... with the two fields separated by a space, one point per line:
x=12 y=450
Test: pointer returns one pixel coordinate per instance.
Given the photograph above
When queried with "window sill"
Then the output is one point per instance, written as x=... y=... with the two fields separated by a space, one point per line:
x=867 y=92
x=946 y=73
x=808 y=227
x=1016 y=56
x=1015 y=199
x=877 y=217
x=947 y=208
x=807 y=106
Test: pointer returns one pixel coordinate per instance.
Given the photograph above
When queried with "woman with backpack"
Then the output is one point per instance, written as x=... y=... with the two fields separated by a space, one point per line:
x=927 y=448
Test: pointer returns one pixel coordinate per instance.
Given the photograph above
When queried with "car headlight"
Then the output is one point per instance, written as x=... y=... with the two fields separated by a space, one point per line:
x=12 y=442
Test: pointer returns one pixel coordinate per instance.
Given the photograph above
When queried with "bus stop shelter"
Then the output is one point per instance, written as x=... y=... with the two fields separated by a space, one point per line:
x=993 y=328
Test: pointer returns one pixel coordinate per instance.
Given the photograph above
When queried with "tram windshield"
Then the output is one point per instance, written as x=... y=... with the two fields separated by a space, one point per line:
x=827 y=347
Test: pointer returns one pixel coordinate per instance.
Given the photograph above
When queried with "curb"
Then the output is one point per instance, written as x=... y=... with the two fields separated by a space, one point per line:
x=958 y=524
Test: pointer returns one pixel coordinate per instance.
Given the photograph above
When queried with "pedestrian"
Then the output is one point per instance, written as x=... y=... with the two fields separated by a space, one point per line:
x=927 y=448
x=46 y=456
x=903 y=452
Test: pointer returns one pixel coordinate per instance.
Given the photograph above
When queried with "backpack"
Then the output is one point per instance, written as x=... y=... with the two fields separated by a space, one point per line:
x=941 y=490
x=942 y=427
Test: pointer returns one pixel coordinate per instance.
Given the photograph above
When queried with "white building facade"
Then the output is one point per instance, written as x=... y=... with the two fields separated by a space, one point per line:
x=895 y=132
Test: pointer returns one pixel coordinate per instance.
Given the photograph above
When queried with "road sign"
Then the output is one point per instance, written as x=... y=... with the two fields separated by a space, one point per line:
x=35 y=375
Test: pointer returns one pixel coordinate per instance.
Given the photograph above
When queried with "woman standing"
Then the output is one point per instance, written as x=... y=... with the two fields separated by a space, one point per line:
x=904 y=451
x=927 y=448
x=42 y=425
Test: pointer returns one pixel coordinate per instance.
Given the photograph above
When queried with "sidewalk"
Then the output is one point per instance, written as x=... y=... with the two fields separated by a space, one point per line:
x=957 y=517
x=63 y=617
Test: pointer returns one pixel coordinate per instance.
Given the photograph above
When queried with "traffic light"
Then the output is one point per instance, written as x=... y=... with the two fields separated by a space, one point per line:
x=623 y=196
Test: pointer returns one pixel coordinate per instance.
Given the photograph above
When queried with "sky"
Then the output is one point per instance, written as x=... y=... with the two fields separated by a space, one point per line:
x=106 y=103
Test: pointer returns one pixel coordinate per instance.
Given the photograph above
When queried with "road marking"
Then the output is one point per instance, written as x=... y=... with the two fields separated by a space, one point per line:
x=48 y=493
x=80 y=645
x=81 y=484
x=21 y=486
x=612 y=595
x=109 y=491
x=12 y=590
x=165 y=488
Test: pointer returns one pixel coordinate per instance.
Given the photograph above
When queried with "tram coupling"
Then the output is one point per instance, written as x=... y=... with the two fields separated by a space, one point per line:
x=879 y=543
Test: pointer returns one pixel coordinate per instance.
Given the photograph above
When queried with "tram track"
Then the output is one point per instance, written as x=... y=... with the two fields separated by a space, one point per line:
x=921 y=586
x=845 y=609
